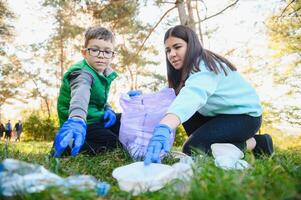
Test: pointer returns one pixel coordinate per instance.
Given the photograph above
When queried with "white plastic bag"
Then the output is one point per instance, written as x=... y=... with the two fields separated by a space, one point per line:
x=228 y=156
x=137 y=177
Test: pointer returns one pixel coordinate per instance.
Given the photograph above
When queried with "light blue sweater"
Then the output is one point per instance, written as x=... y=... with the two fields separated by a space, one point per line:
x=212 y=94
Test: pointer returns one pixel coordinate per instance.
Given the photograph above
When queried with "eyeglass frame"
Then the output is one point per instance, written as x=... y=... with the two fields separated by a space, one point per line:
x=101 y=51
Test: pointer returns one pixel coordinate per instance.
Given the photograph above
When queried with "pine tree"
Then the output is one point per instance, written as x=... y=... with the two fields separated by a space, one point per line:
x=10 y=65
x=63 y=39
x=284 y=29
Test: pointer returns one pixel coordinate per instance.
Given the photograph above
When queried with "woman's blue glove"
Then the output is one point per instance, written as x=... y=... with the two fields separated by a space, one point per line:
x=158 y=142
x=73 y=128
x=133 y=93
x=109 y=118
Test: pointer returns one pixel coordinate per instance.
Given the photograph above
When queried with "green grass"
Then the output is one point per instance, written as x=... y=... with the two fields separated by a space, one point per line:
x=278 y=177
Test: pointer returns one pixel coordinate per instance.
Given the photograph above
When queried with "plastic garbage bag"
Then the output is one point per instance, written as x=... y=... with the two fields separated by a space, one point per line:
x=227 y=156
x=140 y=115
x=20 y=177
x=137 y=177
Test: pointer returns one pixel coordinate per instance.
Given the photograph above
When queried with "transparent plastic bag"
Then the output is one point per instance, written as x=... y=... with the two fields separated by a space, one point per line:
x=20 y=177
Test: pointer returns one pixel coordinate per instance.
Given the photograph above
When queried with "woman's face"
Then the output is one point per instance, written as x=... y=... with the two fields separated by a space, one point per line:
x=175 y=49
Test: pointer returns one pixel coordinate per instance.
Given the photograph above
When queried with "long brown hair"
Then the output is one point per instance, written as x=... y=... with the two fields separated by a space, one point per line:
x=195 y=53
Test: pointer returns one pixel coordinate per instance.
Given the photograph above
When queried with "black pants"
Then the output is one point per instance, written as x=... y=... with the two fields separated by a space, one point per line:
x=8 y=134
x=204 y=131
x=99 y=139
x=18 y=135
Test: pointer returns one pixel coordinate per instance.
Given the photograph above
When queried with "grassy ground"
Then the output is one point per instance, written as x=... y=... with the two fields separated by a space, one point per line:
x=278 y=177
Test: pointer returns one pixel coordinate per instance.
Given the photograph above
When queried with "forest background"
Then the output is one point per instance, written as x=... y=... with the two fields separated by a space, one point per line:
x=40 y=39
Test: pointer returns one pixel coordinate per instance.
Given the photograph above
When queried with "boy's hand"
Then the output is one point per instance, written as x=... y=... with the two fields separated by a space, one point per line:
x=158 y=142
x=73 y=128
x=109 y=118
x=133 y=93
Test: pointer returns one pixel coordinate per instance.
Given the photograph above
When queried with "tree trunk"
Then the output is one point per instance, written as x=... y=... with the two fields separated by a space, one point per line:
x=191 y=21
x=182 y=13
x=47 y=106
x=187 y=19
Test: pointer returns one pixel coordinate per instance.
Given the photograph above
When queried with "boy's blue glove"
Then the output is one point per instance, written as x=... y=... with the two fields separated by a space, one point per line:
x=133 y=93
x=158 y=142
x=109 y=118
x=74 y=129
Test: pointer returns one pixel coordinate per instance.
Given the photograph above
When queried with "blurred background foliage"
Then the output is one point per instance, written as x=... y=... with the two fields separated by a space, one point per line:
x=36 y=77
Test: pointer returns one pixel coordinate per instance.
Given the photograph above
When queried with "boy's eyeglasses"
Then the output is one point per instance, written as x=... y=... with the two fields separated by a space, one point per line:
x=96 y=52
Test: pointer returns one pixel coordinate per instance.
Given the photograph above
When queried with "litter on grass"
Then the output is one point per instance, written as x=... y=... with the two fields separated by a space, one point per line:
x=137 y=178
x=17 y=177
x=227 y=156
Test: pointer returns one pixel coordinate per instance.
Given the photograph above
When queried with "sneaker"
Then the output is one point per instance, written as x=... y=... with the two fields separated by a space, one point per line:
x=264 y=145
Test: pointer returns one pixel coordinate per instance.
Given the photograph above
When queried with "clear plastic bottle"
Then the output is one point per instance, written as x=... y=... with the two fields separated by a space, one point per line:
x=20 y=177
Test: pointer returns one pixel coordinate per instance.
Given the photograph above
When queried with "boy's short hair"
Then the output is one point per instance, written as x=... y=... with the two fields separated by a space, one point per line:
x=98 y=32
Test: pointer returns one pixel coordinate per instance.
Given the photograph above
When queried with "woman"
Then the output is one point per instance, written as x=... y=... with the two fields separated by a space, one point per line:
x=214 y=102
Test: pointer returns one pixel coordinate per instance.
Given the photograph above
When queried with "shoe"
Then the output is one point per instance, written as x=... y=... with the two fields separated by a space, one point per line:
x=264 y=145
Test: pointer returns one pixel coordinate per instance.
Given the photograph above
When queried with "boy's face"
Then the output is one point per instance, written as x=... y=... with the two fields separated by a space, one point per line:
x=99 y=54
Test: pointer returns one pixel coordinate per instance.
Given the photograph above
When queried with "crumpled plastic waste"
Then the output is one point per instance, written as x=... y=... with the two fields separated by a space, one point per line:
x=227 y=156
x=137 y=178
x=20 y=177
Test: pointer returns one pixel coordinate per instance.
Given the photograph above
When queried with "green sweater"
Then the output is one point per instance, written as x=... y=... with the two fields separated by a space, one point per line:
x=99 y=93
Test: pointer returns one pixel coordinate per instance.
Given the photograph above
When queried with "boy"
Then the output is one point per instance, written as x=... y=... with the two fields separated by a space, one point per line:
x=87 y=123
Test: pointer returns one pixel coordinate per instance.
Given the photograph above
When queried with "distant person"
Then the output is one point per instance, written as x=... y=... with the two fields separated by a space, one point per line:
x=8 y=130
x=19 y=130
x=2 y=130
x=214 y=102
x=87 y=123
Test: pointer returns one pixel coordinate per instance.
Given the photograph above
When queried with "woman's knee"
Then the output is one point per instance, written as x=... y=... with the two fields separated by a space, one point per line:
x=190 y=148
x=186 y=149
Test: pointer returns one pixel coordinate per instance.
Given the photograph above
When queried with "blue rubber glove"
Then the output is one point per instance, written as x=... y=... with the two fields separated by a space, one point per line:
x=109 y=118
x=74 y=129
x=133 y=93
x=158 y=142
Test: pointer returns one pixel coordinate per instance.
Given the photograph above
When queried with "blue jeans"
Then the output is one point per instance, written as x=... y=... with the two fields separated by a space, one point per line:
x=203 y=131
